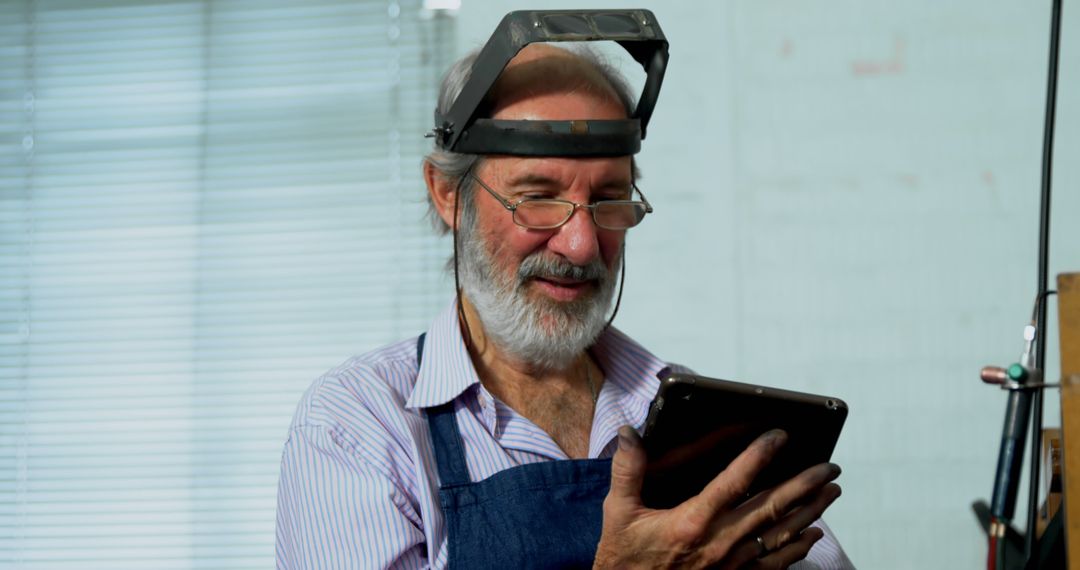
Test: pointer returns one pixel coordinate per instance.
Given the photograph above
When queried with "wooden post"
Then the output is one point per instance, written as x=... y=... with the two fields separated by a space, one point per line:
x=1068 y=287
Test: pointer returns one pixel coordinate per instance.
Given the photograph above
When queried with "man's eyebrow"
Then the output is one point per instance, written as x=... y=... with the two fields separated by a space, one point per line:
x=531 y=179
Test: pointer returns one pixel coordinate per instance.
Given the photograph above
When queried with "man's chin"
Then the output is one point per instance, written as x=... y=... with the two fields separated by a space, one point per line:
x=539 y=329
x=556 y=319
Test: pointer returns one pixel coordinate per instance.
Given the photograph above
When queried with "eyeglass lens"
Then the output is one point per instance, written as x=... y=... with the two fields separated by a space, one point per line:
x=552 y=213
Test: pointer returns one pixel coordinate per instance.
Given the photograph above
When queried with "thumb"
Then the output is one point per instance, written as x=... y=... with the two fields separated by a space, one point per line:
x=628 y=467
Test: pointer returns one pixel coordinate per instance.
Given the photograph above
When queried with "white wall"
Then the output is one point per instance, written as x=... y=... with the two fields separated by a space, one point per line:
x=847 y=199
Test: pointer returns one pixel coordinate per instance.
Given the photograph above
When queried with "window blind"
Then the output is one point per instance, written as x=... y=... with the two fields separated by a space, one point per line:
x=203 y=205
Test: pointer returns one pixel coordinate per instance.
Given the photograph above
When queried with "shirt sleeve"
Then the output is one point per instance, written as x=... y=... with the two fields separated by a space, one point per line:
x=826 y=554
x=337 y=509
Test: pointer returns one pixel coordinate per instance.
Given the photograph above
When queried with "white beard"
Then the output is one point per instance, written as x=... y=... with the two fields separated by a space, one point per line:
x=543 y=332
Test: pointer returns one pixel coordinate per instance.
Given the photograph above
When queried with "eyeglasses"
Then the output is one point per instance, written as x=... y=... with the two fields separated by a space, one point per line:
x=550 y=213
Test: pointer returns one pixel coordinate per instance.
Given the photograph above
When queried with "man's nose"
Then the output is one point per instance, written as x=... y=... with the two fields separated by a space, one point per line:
x=576 y=240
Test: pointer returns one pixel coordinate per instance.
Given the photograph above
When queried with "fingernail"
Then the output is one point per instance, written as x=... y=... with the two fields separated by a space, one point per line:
x=775 y=438
x=627 y=438
x=826 y=472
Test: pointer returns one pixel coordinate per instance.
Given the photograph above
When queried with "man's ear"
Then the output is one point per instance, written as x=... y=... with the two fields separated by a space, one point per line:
x=442 y=193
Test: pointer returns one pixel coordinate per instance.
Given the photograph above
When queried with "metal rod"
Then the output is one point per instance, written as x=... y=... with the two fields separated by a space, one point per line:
x=1043 y=284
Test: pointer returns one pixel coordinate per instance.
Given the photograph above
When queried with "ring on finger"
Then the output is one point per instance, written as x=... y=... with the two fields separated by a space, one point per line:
x=762 y=549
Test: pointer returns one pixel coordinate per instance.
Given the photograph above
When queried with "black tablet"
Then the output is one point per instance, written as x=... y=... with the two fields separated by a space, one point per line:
x=697 y=426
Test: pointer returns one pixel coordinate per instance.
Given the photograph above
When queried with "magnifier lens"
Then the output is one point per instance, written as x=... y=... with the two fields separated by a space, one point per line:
x=567 y=24
x=616 y=24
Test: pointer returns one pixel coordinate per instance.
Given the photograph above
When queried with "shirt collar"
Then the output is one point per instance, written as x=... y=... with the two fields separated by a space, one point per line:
x=632 y=369
x=446 y=370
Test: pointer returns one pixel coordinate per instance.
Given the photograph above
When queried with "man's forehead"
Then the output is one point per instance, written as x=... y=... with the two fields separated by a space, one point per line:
x=559 y=172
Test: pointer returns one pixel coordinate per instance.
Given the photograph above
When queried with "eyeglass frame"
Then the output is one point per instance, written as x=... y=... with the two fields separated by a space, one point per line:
x=513 y=206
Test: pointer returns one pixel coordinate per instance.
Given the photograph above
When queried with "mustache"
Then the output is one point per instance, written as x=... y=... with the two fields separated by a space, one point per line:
x=539 y=265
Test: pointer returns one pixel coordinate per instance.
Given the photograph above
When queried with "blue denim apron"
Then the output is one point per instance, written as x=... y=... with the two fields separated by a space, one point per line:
x=540 y=515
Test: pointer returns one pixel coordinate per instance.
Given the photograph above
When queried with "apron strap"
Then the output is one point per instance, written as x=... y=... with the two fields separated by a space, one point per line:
x=445 y=437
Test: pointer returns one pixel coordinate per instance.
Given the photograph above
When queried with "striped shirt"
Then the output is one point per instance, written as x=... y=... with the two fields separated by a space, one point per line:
x=359 y=484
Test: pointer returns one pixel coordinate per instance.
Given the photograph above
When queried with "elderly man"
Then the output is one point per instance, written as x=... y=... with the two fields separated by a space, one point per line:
x=505 y=435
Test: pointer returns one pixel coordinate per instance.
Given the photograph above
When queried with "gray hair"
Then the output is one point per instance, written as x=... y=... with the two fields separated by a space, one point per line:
x=453 y=166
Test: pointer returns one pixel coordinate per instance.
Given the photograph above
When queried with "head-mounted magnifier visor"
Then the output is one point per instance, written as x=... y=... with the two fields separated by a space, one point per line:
x=635 y=30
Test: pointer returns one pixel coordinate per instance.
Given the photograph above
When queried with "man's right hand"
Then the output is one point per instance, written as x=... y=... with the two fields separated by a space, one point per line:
x=718 y=528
